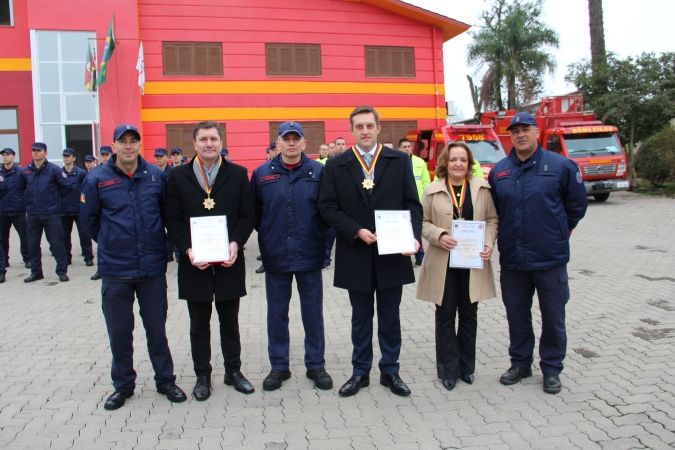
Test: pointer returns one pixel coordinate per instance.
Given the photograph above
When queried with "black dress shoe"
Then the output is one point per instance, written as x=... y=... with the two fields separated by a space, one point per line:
x=352 y=386
x=239 y=381
x=273 y=380
x=260 y=269
x=514 y=375
x=321 y=378
x=468 y=378
x=88 y=262
x=26 y=264
x=63 y=278
x=552 y=384
x=2 y=277
x=448 y=384
x=259 y=258
x=395 y=384
x=96 y=276
x=33 y=277
x=202 y=389
x=116 y=400
x=172 y=392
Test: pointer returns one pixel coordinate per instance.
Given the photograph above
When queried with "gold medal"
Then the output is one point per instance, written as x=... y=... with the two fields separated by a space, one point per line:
x=368 y=183
x=209 y=203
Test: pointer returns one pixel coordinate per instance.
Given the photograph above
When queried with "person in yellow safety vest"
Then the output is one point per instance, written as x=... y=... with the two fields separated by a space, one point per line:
x=422 y=178
x=477 y=170
x=323 y=154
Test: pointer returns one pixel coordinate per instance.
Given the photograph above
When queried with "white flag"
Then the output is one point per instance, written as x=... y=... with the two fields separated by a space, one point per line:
x=140 y=66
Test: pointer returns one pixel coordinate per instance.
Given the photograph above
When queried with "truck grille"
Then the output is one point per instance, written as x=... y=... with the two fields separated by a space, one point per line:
x=604 y=169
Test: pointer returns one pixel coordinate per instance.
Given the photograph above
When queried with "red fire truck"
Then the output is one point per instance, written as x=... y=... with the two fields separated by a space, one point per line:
x=565 y=127
x=481 y=139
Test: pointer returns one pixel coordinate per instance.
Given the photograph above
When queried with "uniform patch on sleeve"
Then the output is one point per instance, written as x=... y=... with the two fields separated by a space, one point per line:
x=83 y=199
x=502 y=174
x=579 y=180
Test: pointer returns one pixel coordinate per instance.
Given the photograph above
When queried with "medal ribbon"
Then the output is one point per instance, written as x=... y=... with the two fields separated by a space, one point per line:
x=207 y=186
x=367 y=169
x=458 y=204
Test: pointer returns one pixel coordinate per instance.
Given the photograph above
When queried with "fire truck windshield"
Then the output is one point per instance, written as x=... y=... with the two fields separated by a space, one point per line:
x=591 y=144
x=486 y=152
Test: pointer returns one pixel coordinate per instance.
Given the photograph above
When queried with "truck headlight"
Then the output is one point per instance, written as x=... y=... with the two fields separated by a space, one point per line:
x=621 y=169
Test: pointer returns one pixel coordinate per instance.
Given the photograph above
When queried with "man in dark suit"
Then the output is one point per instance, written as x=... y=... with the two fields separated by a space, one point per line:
x=210 y=185
x=366 y=178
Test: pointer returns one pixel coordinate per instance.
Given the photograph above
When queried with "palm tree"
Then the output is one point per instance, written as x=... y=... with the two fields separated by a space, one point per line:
x=510 y=49
x=598 y=53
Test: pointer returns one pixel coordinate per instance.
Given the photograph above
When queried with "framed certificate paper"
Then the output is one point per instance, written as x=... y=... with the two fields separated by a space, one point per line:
x=470 y=236
x=394 y=232
x=210 y=242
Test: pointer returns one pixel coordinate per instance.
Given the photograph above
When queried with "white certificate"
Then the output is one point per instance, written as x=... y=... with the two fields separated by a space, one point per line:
x=470 y=236
x=210 y=242
x=394 y=232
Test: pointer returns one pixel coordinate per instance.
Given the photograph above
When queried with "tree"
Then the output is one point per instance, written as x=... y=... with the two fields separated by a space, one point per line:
x=509 y=47
x=598 y=53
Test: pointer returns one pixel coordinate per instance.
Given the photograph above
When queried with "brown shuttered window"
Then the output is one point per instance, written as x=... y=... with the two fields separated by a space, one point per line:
x=192 y=58
x=293 y=59
x=315 y=135
x=392 y=131
x=180 y=135
x=390 y=62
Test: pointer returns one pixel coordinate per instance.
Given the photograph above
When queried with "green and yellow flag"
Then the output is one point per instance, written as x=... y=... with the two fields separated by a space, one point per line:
x=90 y=71
x=107 y=54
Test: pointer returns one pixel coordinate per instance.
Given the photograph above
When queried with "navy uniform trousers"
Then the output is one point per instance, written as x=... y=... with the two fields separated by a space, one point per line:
x=553 y=292
x=118 y=310
x=19 y=222
x=51 y=225
x=310 y=289
x=67 y=221
x=388 y=327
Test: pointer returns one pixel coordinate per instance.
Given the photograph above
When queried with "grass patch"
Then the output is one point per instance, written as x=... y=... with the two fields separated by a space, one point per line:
x=645 y=187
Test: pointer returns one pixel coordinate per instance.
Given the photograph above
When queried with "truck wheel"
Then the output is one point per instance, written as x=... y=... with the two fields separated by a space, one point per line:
x=601 y=197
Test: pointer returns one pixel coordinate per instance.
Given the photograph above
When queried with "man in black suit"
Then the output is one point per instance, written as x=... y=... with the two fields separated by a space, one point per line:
x=363 y=179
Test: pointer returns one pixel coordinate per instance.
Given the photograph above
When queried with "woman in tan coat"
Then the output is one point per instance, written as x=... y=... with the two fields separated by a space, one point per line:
x=455 y=195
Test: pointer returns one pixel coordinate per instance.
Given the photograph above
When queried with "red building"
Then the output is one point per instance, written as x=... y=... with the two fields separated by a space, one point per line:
x=248 y=64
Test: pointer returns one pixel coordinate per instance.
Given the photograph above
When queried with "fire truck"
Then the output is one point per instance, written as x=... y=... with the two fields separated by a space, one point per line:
x=481 y=139
x=567 y=128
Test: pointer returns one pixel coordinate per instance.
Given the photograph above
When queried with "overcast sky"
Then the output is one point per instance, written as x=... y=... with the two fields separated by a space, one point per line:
x=631 y=27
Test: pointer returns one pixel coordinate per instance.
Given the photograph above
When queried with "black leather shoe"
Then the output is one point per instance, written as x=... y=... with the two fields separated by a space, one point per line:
x=352 y=386
x=88 y=262
x=26 y=264
x=2 y=277
x=448 y=384
x=172 y=392
x=202 y=389
x=395 y=384
x=63 y=278
x=552 y=384
x=273 y=380
x=239 y=381
x=468 y=378
x=33 y=277
x=321 y=378
x=260 y=269
x=96 y=276
x=116 y=400
x=514 y=375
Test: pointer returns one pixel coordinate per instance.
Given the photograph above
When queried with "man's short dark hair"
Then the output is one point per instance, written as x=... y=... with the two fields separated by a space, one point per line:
x=364 y=109
x=402 y=140
x=340 y=138
x=207 y=125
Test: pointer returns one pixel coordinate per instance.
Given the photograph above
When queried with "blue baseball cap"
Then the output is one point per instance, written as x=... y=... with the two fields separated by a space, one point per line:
x=291 y=127
x=159 y=151
x=177 y=150
x=89 y=158
x=522 y=118
x=39 y=146
x=68 y=152
x=8 y=151
x=125 y=128
x=105 y=150
x=224 y=152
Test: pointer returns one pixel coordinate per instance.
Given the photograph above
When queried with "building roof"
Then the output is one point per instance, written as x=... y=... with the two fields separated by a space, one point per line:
x=449 y=27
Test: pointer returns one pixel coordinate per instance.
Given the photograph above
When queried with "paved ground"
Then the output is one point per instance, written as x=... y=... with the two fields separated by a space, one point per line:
x=618 y=383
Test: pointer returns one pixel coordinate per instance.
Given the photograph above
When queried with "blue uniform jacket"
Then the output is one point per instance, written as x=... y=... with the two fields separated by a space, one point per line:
x=125 y=216
x=11 y=191
x=42 y=188
x=539 y=202
x=291 y=232
x=71 y=189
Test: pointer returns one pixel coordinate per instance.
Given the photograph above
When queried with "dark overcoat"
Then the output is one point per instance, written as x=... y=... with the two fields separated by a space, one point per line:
x=347 y=207
x=232 y=195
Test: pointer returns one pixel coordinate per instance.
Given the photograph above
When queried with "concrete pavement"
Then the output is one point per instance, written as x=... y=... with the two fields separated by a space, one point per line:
x=618 y=384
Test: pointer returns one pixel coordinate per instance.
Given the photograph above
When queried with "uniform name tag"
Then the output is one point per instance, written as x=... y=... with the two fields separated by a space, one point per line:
x=106 y=183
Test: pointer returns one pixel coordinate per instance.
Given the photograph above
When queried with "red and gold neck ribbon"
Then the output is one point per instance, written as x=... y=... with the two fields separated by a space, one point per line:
x=207 y=187
x=459 y=204
x=367 y=169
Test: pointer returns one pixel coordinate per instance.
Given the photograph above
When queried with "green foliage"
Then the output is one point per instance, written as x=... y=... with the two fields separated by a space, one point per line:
x=656 y=158
x=640 y=92
x=509 y=47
